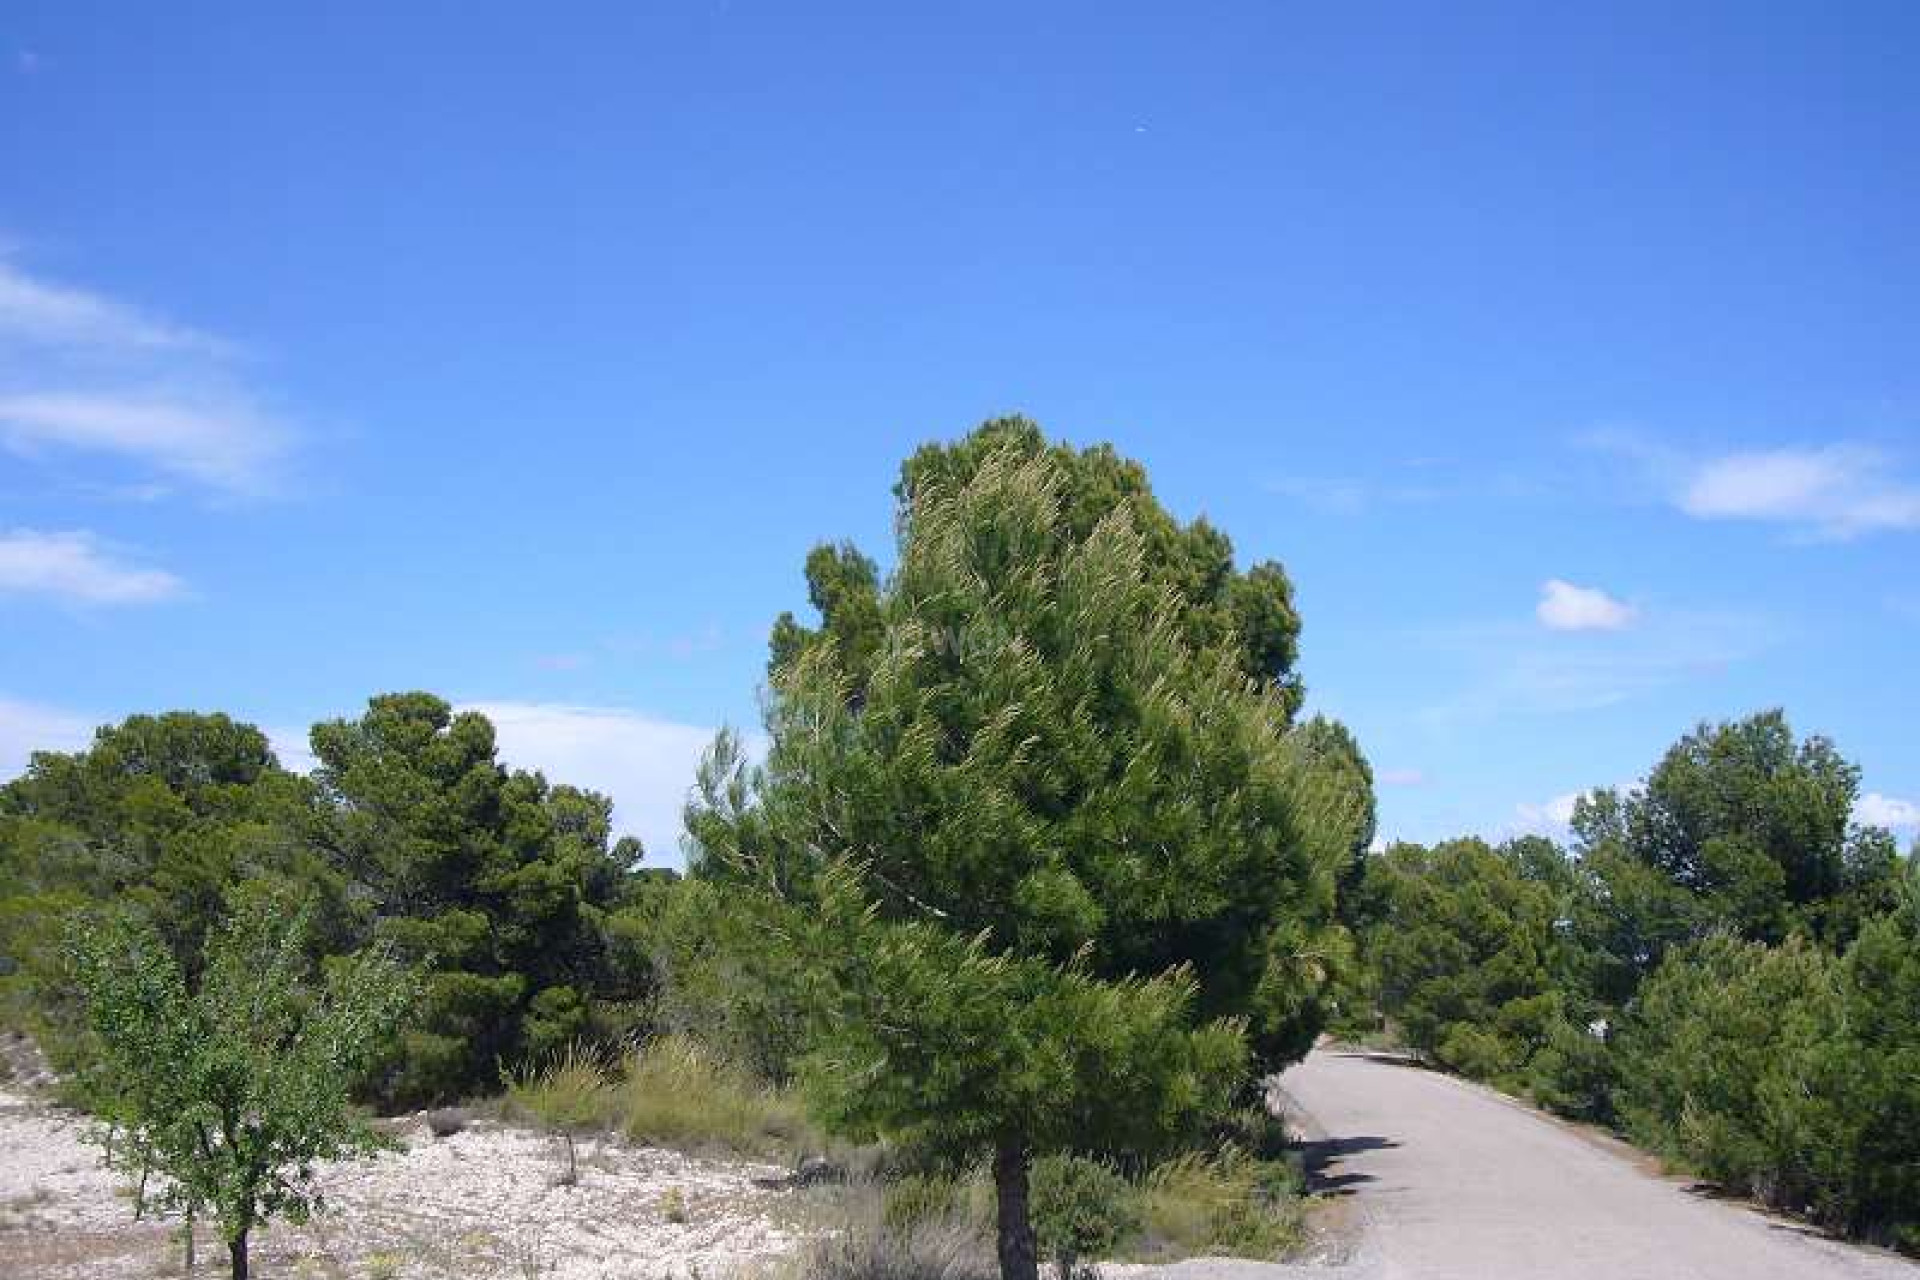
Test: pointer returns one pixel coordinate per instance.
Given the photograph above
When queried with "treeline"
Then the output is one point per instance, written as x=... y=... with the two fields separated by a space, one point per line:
x=1723 y=965
x=530 y=921
x=1040 y=868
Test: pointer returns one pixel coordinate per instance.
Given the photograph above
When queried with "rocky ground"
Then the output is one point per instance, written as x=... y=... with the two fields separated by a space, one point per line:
x=480 y=1203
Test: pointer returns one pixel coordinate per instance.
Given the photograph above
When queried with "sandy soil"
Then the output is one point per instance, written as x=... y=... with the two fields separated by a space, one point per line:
x=481 y=1203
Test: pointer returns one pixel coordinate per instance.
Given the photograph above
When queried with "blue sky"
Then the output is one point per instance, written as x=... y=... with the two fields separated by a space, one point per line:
x=1568 y=359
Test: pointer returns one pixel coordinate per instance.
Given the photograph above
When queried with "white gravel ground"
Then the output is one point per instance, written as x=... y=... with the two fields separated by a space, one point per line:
x=480 y=1204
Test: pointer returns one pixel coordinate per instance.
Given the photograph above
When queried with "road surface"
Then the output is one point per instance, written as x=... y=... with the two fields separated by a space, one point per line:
x=1449 y=1181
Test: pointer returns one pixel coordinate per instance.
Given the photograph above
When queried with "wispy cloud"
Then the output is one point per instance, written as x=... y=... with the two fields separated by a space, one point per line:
x=1565 y=607
x=74 y=566
x=221 y=443
x=46 y=314
x=87 y=375
x=1876 y=810
x=1401 y=777
x=1841 y=491
x=1828 y=492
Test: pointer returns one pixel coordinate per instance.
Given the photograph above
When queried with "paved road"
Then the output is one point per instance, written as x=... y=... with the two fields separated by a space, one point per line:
x=1453 y=1182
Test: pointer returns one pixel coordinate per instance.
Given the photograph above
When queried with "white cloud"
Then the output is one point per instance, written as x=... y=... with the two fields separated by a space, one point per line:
x=289 y=743
x=1401 y=777
x=1838 y=492
x=217 y=441
x=1565 y=607
x=74 y=566
x=26 y=727
x=645 y=764
x=1876 y=810
x=83 y=373
x=1549 y=818
x=55 y=315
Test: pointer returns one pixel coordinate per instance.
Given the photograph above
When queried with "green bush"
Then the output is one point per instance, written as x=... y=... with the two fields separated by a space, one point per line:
x=1787 y=1074
x=1575 y=1075
x=677 y=1093
x=1081 y=1209
x=1223 y=1203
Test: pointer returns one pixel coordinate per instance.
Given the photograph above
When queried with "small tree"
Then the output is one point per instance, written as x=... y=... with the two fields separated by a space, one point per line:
x=231 y=1093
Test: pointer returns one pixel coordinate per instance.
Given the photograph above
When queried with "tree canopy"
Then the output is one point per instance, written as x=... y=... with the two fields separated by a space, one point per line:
x=1250 y=611
x=1050 y=835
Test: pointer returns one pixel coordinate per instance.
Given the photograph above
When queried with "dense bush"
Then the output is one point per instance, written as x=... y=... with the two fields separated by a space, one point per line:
x=1788 y=1074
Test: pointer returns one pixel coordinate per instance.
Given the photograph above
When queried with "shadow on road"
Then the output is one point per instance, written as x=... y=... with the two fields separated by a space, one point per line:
x=1319 y=1162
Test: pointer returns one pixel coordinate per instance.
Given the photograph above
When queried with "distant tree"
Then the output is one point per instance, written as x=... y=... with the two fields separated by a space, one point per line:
x=502 y=885
x=162 y=815
x=232 y=1092
x=1466 y=954
x=1740 y=827
x=1055 y=775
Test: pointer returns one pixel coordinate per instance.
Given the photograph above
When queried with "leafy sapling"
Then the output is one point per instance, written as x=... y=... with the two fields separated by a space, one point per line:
x=233 y=1092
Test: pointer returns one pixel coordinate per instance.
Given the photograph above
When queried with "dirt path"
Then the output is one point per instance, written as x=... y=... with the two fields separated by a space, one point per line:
x=1453 y=1182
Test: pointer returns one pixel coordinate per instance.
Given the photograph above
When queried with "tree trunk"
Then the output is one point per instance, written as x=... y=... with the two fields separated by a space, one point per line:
x=1018 y=1258
x=189 y=1235
x=237 y=1250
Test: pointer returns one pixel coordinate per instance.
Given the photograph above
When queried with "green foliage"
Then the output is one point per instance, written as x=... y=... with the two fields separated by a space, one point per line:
x=1788 y=1074
x=1252 y=611
x=1739 y=828
x=232 y=1092
x=1081 y=1209
x=727 y=980
x=1224 y=1203
x=676 y=1092
x=162 y=816
x=497 y=882
x=1466 y=955
x=509 y=891
x=571 y=1094
x=1055 y=776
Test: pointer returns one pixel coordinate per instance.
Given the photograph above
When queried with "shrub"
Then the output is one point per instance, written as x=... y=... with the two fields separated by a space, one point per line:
x=570 y=1095
x=677 y=1093
x=928 y=1250
x=1081 y=1209
x=1575 y=1075
x=1224 y=1203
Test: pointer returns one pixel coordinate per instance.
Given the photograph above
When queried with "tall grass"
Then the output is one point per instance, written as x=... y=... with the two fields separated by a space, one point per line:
x=671 y=1092
x=1222 y=1202
x=677 y=1093
x=570 y=1095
